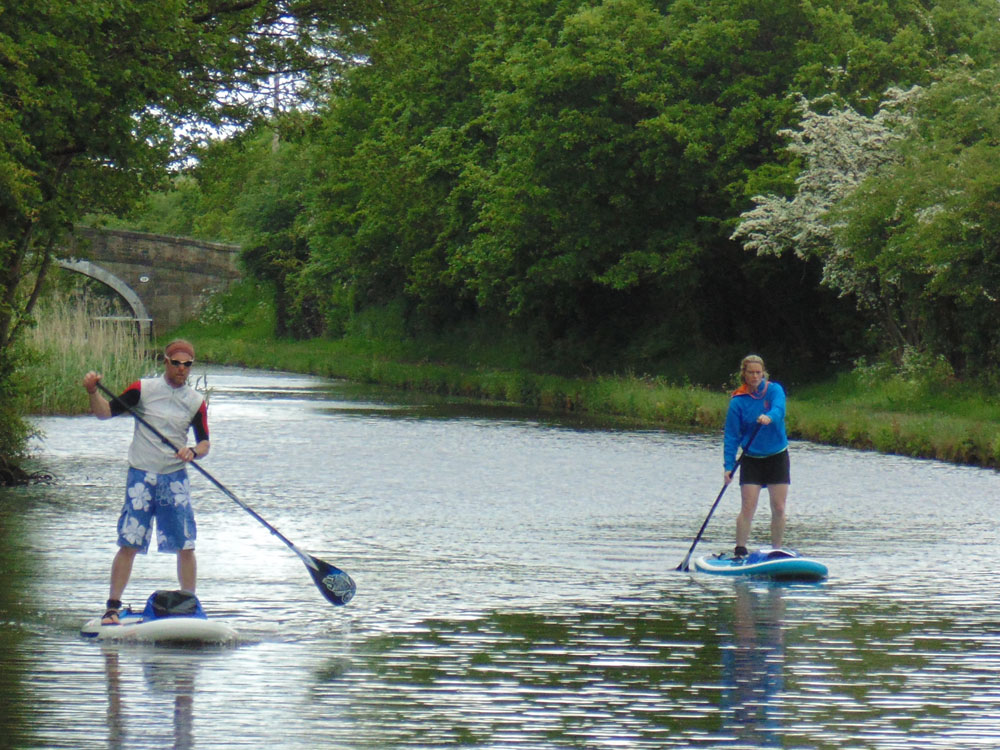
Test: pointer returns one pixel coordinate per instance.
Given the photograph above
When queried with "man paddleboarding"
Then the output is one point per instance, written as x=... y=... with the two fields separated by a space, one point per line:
x=157 y=486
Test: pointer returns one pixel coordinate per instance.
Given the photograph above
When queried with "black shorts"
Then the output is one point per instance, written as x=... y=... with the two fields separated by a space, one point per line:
x=774 y=469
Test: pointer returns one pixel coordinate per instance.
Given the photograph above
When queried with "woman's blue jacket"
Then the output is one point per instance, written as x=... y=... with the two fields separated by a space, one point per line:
x=744 y=408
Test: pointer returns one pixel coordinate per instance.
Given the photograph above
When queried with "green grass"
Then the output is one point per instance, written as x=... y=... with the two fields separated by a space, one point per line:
x=963 y=427
x=955 y=423
x=916 y=410
x=913 y=416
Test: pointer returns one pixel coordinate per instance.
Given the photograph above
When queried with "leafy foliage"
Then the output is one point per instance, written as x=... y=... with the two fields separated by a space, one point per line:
x=97 y=98
x=839 y=149
x=573 y=168
x=927 y=228
x=898 y=207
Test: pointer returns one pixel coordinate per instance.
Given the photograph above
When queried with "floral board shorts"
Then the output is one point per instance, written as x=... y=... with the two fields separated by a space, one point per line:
x=165 y=497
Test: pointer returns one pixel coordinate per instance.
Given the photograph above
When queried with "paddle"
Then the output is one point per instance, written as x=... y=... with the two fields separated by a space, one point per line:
x=333 y=583
x=684 y=565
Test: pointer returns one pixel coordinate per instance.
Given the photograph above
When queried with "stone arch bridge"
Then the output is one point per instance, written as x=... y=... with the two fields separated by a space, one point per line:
x=164 y=280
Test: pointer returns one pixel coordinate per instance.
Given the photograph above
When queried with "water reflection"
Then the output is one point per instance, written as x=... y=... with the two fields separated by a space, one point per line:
x=753 y=659
x=116 y=716
x=147 y=684
x=15 y=637
x=518 y=591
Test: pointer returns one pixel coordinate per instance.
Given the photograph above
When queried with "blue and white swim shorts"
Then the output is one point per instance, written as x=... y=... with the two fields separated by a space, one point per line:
x=165 y=497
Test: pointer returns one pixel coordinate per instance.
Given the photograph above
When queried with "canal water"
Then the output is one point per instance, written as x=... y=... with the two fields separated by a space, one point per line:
x=516 y=589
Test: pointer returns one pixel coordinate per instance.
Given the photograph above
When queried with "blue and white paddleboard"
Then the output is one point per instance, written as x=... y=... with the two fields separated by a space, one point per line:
x=154 y=625
x=774 y=564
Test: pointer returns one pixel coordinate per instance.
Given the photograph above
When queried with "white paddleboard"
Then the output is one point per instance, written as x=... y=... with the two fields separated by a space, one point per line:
x=192 y=630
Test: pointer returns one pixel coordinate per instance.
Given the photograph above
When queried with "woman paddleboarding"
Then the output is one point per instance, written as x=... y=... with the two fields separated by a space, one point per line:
x=756 y=422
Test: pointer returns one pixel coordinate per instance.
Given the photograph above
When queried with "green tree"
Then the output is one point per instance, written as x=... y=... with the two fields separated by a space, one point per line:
x=927 y=229
x=575 y=166
x=900 y=209
x=386 y=205
x=839 y=149
x=97 y=98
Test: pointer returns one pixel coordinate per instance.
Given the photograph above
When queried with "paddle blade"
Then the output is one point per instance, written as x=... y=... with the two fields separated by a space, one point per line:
x=333 y=583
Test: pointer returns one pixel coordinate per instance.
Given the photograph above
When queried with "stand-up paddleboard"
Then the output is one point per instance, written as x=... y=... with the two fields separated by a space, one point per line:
x=773 y=564
x=169 y=617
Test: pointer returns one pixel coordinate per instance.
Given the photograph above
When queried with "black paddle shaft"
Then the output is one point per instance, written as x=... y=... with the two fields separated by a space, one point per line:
x=334 y=584
x=684 y=565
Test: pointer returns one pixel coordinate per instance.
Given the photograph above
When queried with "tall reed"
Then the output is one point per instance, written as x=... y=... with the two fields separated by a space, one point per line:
x=76 y=333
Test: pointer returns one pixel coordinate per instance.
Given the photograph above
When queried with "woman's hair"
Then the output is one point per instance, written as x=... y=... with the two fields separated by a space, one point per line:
x=751 y=359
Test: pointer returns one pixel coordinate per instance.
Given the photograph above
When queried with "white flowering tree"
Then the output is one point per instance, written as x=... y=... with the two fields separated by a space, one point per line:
x=930 y=225
x=903 y=211
x=839 y=148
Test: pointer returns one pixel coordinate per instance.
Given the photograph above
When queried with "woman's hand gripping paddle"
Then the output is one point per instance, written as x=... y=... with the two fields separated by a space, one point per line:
x=684 y=565
x=333 y=583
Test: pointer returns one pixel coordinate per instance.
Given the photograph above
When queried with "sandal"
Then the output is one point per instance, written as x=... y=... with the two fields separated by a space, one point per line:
x=111 y=614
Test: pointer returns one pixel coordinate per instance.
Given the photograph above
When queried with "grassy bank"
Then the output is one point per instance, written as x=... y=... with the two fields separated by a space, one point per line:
x=639 y=401
x=909 y=414
x=924 y=417
x=919 y=410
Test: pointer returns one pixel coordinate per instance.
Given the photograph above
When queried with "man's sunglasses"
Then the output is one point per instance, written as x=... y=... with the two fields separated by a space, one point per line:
x=181 y=363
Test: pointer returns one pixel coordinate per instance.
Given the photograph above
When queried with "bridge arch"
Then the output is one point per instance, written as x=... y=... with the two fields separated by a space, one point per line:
x=164 y=279
x=126 y=292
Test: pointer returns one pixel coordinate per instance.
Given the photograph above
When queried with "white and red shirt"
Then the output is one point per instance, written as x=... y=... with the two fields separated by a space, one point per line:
x=172 y=411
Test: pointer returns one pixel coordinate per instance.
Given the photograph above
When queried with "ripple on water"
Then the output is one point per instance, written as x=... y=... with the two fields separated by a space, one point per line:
x=515 y=589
